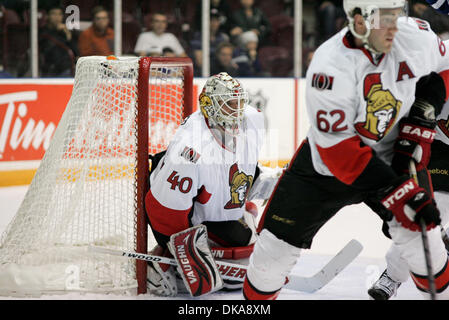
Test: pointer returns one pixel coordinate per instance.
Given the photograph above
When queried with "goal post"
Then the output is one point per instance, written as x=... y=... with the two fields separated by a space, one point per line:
x=146 y=65
x=91 y=184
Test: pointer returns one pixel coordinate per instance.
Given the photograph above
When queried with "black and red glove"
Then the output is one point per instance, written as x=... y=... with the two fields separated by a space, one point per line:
x=417 y=131
x=410 y=203
x=413 y=143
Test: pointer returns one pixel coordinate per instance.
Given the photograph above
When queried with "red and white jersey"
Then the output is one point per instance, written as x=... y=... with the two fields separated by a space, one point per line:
x=202 y=180
x=351 y=97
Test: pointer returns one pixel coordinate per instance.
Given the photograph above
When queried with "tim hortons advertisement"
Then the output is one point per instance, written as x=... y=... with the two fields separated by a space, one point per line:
x=29 y=114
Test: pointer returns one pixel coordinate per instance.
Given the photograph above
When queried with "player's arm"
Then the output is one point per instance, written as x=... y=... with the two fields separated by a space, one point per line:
x=173 y=187
x=168 y=203
x=417 y=130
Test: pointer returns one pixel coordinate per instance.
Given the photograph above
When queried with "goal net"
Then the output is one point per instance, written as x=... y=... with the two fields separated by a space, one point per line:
x=90 y=186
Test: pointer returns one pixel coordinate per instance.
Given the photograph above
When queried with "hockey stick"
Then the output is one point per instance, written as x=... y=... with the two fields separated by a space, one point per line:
x=328 y=272
x=237 y=272
x=228 y=271
x=425 y=241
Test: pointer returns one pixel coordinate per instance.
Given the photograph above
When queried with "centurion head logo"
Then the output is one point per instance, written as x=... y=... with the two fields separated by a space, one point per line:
x=382 y=109
x=240 y=184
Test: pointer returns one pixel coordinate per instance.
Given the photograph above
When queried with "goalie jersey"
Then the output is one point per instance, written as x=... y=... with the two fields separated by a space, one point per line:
x=355 y=101
x=199 y=179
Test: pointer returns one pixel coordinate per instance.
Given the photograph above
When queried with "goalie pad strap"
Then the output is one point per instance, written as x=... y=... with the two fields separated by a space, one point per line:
x=232 y=253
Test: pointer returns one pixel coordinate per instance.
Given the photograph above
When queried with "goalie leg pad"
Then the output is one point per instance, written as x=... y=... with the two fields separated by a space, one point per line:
x=196 y=264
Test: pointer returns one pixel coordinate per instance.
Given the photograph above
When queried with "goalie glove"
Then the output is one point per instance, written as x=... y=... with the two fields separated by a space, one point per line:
x=265 y=183
x=196 y=264
x=161 y=278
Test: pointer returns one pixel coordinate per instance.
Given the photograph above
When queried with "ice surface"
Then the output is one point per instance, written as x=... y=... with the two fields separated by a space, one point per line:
x=354 y=222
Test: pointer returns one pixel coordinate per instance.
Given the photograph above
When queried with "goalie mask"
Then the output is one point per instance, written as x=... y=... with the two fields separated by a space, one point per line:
x=223 y=101
x=371 y=11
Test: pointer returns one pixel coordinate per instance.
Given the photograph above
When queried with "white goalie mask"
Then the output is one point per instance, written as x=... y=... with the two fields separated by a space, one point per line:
x=370 y=11
x=223 y=101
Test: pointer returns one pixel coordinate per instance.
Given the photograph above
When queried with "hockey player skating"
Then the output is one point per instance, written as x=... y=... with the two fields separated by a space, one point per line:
x=396 y=272
x=360 y=86
x=204 y=178
x=438 y=168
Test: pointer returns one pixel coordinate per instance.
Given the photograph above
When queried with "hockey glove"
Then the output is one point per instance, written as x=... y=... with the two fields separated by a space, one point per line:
x=430 y=90
x=413 y=142
x=161 y=278
x=410 y=203
x=417 y=131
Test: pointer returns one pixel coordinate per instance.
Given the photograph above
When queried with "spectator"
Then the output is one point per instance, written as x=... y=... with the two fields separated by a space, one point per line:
x=246 y=56
x=222 y=61
x=57 y=46
x=221 y=7
x=216 y=37
x=4 y=74
x=99 y=38
x=330 y=18
x=151 y=43
x=168 y=52
x=19 y=6
x=250 y=18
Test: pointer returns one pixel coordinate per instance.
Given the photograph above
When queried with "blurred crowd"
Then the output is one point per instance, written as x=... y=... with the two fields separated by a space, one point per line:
x=248 y=38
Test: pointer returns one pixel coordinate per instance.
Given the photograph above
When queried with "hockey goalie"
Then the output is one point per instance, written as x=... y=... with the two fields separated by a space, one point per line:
x=197 y=202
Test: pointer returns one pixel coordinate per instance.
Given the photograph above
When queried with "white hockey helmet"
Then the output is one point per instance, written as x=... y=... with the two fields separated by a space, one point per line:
x=222 y=102
x=368 y=8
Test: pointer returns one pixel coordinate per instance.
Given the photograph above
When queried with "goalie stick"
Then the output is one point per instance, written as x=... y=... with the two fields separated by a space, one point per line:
x=231 y=271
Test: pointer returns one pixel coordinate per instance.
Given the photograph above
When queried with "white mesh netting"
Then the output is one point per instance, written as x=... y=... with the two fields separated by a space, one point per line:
x=84 y=191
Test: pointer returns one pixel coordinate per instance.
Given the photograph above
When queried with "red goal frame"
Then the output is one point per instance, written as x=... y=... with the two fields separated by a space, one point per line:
x=145 y=65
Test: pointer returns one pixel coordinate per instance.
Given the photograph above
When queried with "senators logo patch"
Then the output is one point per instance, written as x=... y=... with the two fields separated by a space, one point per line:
x=322 y=81
x=240 y=184
x=423 y=25
x=190 y=154
x=382 y=109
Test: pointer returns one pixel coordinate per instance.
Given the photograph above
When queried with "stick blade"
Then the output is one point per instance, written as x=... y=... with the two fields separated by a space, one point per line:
x=312 y=284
